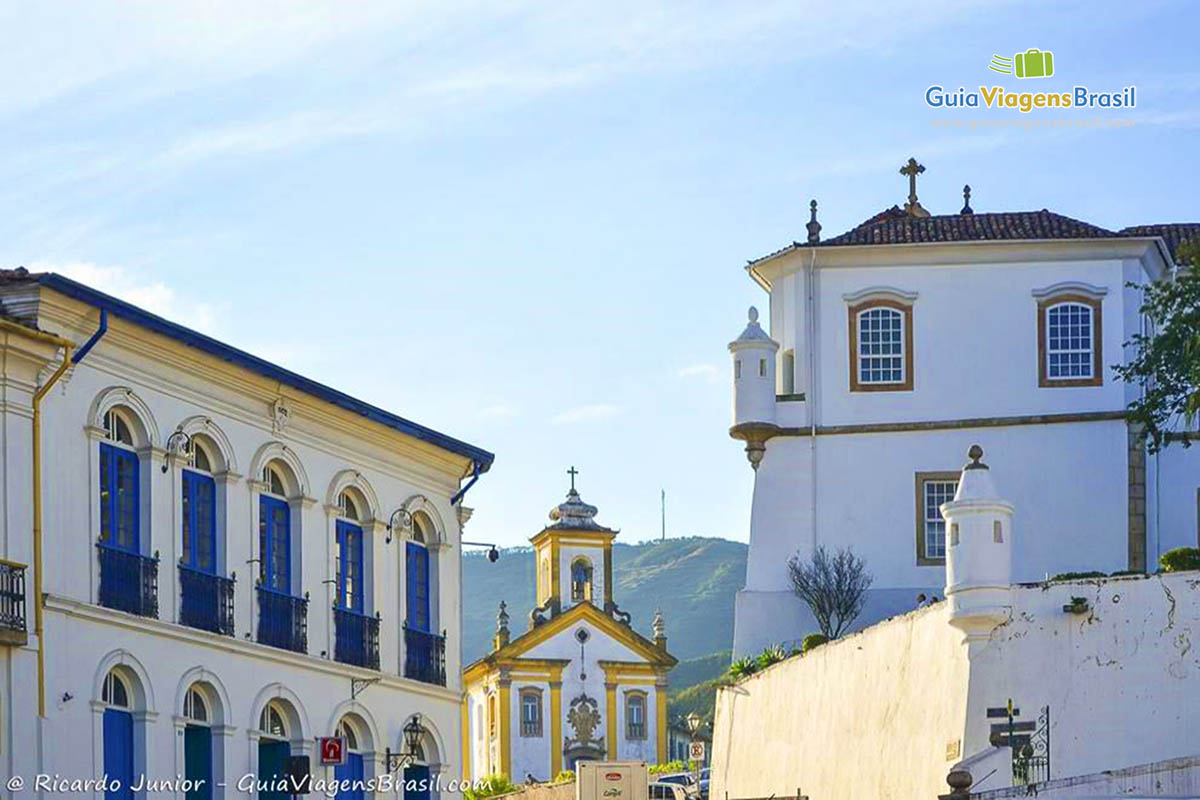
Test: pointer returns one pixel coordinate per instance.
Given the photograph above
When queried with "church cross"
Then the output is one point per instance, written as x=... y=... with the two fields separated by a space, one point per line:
x=572 y=472
x=912 y=169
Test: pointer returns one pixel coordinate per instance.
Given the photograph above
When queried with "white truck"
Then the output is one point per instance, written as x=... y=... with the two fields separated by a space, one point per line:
x=611 y=780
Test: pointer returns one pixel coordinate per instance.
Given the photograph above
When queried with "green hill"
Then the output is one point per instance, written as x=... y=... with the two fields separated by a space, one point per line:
x=692 y=580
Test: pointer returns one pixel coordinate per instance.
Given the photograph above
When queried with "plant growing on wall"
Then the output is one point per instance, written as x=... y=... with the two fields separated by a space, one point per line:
x=1181 y=559
x=833 y=587
x=743 y=667
x=1167 y=364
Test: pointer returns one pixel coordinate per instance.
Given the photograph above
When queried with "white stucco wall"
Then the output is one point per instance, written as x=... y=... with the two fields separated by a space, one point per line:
x=889 y=711
x=866 y=716
x=1067 y=481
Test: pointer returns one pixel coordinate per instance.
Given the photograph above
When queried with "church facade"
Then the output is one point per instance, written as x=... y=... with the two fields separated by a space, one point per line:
x=892 y=347
x=580 y=684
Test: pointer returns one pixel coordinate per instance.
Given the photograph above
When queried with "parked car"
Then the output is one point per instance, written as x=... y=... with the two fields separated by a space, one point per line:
x=664 y=790
x=684 y=779
x=703 y=783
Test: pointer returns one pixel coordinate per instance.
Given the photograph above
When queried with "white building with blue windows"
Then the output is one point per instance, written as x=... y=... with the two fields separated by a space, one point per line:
x=231 y=560
x=893 y=347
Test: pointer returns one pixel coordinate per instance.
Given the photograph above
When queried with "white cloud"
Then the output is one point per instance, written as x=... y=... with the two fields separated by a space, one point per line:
x=706 y=371
x=498 y=412
x=585 y=413
x=153 y=296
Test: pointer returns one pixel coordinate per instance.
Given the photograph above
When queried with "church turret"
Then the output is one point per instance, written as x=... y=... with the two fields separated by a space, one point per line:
x=501 y=637
x=659 y=626
x=574 y=560
x=978 y=551
x=753 y=387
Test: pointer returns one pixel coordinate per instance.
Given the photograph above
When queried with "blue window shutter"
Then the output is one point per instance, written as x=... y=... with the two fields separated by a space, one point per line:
x=118 y=753
x=272 y=766
x=197 y=761
x=416 y=782
x=349 y=566
x=119 y=512
x=350 y=772
x=417 y=586
x=200 y=522
x=275 y=544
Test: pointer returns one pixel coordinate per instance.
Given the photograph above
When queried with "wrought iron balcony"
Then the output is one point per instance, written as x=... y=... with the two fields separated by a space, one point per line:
x=282 y=620
x=205 y=601
x=424 y=656
x=128 y=581
x=356 y=638
x=12 y=603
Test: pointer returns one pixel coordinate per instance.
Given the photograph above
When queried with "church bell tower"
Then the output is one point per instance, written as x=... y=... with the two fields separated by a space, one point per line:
x=574 y=559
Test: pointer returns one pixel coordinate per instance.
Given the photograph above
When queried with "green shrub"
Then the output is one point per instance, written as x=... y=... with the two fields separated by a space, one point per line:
x=1077 y=576
x=813 y=640
x=743 y=668
x=1123 y=572
x=667 y=768
x=771 y=655
x=1181 y=559
x=489 y=786
x=566 y=776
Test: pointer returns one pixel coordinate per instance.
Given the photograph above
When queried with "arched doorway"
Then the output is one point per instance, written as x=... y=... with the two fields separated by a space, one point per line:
x=352 y=775
x=118 y=699
x=198 y=710
x=274 y=748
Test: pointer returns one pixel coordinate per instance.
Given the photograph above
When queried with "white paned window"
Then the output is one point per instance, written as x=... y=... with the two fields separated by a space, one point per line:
x=881 y=346
x=1069 y=341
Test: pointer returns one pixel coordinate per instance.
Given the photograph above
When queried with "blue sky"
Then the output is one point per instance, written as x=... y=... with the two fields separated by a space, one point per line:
x=525 y=224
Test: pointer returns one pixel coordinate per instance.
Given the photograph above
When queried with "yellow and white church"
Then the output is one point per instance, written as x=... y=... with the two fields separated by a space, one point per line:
x=580 y=684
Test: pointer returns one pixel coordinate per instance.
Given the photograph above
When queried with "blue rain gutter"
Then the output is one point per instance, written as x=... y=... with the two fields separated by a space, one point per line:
x=461 y=492
x=90 y=343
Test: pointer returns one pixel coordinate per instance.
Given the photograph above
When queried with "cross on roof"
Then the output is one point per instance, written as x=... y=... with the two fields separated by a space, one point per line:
x=572 y=472
x=912 y=169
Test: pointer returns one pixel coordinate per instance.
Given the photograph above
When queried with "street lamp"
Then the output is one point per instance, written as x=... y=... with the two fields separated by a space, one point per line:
x=413 y=732
x=694 y=722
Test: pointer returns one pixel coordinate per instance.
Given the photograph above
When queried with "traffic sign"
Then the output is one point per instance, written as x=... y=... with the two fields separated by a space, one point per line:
x=332 y=750
x=696 y=751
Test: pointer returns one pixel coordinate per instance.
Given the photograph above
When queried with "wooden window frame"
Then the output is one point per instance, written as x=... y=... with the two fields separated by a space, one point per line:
x=906 y=309
x=645 y=698
x=1043 y=348
x=922 y=478
x=536 y=693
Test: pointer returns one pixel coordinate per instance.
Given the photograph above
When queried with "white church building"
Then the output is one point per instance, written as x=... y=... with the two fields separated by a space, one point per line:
x=895 y=345
x=580 y=684
x=208 y=562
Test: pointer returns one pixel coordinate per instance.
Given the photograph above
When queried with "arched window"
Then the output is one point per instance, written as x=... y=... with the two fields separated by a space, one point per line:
x=881 y=346
x=273 y=722
x=1069 y=342
x=350 y=775
x=635 y=715
x=531 y=712
x=349 y=555
x=199 y=505
x=119 y=484
x=581 y=580
x=118 y=735
x=275 y=531
x=195 y=706
x=418 y=615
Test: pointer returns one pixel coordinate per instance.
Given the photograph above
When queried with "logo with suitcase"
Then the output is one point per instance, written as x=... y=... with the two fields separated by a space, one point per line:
x=1033 y=63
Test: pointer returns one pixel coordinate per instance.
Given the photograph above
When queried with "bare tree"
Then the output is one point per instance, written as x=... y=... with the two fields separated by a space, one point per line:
x=833 y=587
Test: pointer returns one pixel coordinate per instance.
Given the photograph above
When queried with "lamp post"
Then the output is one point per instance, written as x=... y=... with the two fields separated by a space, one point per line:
x=394 y=762
x=694 y=722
